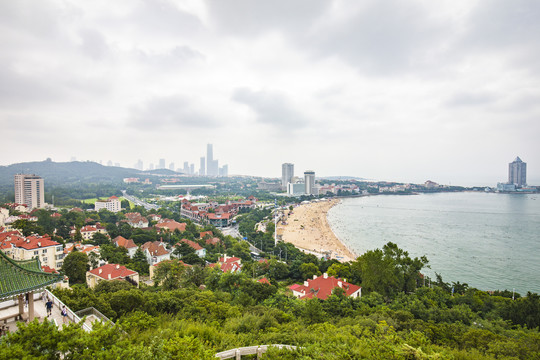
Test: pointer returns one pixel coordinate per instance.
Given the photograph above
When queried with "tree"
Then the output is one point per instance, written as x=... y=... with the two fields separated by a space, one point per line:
x=168 y=274
x=100 y=239
x=75 y=267
x=308 y=270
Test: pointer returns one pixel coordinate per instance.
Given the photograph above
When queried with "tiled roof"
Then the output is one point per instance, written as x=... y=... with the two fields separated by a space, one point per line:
x=322 y=287
x=122 y=241
x=192 y=244
x=204 y=233
x=19 y=277
x=34 y=242
x=172 y=225
x=112 y=271
x=155 y=248
x=212 y=241
x=264 y=281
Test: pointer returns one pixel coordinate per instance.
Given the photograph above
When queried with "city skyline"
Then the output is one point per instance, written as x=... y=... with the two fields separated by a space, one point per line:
x=382 y=90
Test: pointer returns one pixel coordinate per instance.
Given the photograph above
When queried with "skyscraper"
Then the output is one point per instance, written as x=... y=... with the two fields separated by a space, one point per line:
x=212 y=166
x=202 y=168
x=309 y=181
x=517 y=172
x=161 y=163
x=29 y=190
x=287 y=173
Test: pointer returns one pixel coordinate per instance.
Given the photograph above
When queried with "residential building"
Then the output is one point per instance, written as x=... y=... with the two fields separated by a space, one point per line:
x=110 y=272
x=4 y=214
x=517 y=172
x=49 y=252
x=112 y=204
x=171 y=225
x=29 y=190
x=226 y=263
x=287 y=173
x=224 y=170
x=136 y=220
x=322 y=287
x=309 y=182
x=161 y=164
x=199 y=250
x=155 y=252
x=128 y=244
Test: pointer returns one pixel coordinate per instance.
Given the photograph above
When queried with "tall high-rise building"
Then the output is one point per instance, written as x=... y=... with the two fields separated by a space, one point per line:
x=186 y=168
x=139 y=165
x=29 y=190
x=224 y=170
x=212 y=166
x=161 y=164
x=171 y=166
x=202 y=168
x=309 y=181
x=287 y=173
x=192 y=169
x=517 y=172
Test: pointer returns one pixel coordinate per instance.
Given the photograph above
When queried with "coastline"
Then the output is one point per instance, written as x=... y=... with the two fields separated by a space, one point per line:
x=308 y=229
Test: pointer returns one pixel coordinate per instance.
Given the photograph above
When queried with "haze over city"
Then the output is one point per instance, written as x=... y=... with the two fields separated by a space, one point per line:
x=387 y=90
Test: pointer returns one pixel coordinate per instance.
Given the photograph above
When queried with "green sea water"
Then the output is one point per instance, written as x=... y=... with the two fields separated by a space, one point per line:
x=489 y=241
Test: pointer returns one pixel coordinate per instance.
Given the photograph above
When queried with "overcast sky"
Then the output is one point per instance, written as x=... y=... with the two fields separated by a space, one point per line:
x=389 y=90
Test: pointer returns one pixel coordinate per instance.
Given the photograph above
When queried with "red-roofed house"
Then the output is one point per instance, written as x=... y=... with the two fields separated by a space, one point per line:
x=126 y=243
x=137 y=220
x=49 y=252
x=219 y=220
x=199 y=250
x=264 y=281
x=206 y=233
x=212 y=241
x=232 y=264
x=322 y=287
x=171 y=225
x=155 y=252
x=111 y=272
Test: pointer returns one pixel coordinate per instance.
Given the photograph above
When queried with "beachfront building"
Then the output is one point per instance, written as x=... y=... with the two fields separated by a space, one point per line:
x=322 y=287
x=112 y=204
x=517 y=172
x=29 y=190
x=287 y=173
x=309 y=182
x=110 y=272
x=296 y=189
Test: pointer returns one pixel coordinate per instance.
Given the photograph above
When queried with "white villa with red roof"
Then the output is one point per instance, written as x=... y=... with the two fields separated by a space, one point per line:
x=322 y=287
x=136 y=220
x=156 y=252
x=112 y=204
x=226 y=263
x=126 y=243
x=199 y=250
x=111 y=272
x=171 y=225
x=18 y=247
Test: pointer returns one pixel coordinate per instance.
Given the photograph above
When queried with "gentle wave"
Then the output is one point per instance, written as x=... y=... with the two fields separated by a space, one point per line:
x=489 y=241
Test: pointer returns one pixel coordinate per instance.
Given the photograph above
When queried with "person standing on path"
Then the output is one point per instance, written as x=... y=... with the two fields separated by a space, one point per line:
x=64 y=314
x=49 y=305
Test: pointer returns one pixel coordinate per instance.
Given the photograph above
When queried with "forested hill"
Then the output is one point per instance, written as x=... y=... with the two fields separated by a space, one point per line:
x=67 y=172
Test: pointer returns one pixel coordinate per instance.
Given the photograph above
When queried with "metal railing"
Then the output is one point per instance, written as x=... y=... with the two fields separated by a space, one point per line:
x=95 y=312
x=70 y=313
x=250 y=350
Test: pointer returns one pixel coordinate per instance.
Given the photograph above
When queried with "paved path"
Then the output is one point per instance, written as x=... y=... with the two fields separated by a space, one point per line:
x=40 y=312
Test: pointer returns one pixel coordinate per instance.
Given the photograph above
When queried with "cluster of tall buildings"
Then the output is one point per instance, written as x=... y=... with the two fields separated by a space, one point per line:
x=29 y=190
x=208 y=165
x=297 y=186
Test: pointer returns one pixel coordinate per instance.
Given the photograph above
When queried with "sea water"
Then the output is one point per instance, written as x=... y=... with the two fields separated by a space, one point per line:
x=489 y=241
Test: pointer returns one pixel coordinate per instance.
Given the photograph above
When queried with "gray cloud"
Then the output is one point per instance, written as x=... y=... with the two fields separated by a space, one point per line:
x=472 y=99
x=270 y=108
x=251 y=18
x=169 y=113
x=94 y=44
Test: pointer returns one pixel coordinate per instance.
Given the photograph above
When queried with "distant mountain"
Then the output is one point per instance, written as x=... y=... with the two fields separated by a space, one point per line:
x=67 y=172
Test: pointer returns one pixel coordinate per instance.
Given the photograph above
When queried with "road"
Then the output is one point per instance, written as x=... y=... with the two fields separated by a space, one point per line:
x=139 y=202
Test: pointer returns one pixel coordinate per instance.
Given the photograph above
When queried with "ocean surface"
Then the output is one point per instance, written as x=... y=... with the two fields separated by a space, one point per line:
x=489 y=241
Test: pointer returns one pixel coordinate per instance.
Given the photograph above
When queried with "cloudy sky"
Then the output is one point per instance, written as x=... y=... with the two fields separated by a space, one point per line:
x=383 y=89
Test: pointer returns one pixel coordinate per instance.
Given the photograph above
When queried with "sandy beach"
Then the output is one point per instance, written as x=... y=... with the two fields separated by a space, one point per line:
x=308 y=229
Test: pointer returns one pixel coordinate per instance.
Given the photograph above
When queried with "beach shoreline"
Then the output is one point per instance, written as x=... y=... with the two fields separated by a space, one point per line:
x=308 y=229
